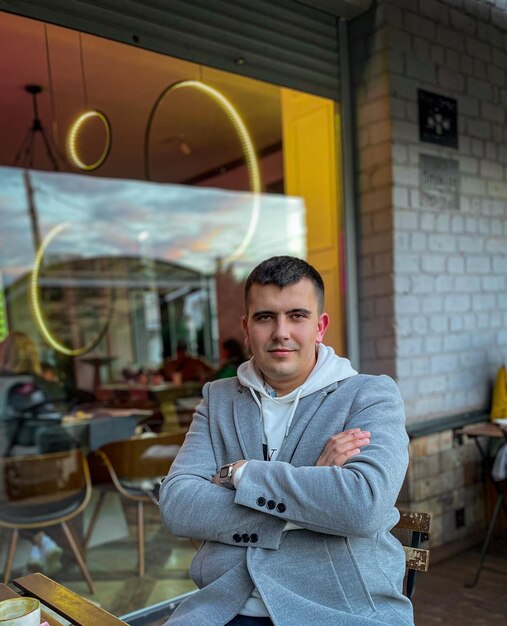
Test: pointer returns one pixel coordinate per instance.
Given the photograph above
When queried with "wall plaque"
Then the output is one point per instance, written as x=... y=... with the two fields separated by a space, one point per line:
x=438 y=119
x=439 y=182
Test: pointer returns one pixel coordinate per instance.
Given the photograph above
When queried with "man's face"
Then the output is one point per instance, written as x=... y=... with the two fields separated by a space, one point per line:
x=281 y=329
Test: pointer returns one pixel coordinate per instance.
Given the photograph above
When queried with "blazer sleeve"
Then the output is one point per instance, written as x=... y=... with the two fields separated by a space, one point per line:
x=192 y=506
x=357 y=499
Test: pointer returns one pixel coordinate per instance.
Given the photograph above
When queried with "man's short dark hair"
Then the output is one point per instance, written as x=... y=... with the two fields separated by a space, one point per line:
x=283 y=271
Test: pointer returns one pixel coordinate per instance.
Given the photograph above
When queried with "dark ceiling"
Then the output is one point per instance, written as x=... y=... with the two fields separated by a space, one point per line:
x=191 y=136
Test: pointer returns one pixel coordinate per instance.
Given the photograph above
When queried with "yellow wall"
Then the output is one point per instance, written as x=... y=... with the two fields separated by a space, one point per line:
x=311 y=127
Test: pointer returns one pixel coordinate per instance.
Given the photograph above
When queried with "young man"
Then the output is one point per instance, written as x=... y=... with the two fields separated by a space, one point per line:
x=289 y=475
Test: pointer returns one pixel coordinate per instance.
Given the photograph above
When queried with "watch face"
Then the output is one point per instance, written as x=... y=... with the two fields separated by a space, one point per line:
x=224 y=470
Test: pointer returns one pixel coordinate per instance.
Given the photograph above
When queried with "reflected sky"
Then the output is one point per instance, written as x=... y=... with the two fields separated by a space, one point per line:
x=191 y=226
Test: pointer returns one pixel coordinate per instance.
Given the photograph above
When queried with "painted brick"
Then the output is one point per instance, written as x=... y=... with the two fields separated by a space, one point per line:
x=439 y=323
x=478 y=49
x=470 y=244
x=479 y=88
x=418 y=242
x=441 y=243
x=449 y=79
x=497 y=189
x=467 y=283
x=450 y=38
x=433 y=263
x=491 y=150
x=484 y=302
x=494 y=283
x=444 y=283
x=460 y=21
x=478 y=264
x=431 y=304
x=490 y=169
x=457 y=303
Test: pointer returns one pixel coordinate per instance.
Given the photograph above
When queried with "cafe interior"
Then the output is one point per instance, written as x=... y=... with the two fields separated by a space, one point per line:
x=137 y=192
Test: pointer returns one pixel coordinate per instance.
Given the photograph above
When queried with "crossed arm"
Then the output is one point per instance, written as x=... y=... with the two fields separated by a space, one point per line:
x=339 y=449
x=351 y=490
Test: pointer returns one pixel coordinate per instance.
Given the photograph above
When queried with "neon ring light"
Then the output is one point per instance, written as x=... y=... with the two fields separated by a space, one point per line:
x=72 y=135
x=246 y=144
x=37 y=307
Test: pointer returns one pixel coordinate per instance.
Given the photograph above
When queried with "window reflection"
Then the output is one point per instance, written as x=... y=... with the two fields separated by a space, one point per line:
x=142 y=282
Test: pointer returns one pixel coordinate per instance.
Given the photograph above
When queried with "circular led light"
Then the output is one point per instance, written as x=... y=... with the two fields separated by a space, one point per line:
x=246 y=144
x=72 y=138
x=37 y=307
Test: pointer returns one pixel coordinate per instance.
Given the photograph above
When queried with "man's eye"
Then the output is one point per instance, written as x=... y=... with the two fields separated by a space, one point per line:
x=297 y=316
x=263 y=318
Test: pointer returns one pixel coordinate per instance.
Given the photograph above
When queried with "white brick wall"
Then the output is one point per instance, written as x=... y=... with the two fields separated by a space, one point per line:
x=446 y=332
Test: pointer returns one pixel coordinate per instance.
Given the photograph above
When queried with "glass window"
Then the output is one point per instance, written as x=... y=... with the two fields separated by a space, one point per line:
x=125 y=241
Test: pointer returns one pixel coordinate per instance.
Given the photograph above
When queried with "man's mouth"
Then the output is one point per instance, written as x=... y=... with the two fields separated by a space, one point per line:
x=281 y=351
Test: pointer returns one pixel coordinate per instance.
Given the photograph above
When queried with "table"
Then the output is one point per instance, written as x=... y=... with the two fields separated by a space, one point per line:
x=69 y=605
x=162 y=397
x=492 y=431
x=101 y=426
x=6 y=593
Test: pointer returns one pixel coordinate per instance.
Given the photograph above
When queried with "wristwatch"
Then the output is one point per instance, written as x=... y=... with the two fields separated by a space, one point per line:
x=225 y=475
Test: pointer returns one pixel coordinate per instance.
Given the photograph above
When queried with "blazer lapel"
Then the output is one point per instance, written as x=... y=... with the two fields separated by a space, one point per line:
x=248 y=425
x=305 y=411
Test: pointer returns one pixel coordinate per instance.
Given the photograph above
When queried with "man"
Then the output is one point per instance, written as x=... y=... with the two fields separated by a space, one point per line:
x=289 y=475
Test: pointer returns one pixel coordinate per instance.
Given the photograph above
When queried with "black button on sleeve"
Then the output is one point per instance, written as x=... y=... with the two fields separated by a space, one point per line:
x=236 y=537
x=261 y=501
x=281 y=508
x=245 y=537
x=254 y=538
x=271 y=504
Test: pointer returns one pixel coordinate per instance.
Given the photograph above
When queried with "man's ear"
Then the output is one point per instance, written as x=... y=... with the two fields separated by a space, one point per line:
x=244 y=323
x=321 y=327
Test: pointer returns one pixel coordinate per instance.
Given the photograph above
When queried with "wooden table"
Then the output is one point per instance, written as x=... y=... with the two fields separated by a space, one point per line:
x=6 y=593
x=488 y=430
x=66 y=603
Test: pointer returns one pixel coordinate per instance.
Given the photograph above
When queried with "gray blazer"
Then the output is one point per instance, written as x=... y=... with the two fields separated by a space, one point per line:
x=344 y=567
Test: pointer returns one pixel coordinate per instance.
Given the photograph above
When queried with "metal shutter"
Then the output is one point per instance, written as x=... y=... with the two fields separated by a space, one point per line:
x=279 y=41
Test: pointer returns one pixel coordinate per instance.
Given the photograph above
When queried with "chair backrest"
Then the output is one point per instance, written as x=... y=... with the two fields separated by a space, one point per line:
x=57 y=482
x=418 y=526
x=142 y=457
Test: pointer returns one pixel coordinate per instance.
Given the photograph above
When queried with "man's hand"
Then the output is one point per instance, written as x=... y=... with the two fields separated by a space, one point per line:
x=343 y=446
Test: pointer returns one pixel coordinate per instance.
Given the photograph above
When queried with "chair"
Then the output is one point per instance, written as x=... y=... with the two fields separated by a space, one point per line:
x=39 y=491
x=417 y=559
x=136 y=467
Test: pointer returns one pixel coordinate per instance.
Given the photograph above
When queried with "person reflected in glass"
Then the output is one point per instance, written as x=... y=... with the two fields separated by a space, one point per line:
x=185 y=367
x=232 y=355
x=19 y=357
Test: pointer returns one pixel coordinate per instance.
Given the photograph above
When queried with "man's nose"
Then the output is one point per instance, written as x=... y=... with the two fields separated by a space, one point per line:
x=281 y=330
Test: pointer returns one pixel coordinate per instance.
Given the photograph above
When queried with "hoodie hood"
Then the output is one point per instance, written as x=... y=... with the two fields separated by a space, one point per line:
x=329 y=369
x=276 y=413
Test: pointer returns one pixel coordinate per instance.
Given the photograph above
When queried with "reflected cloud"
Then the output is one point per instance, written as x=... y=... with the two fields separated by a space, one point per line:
x=193 y=225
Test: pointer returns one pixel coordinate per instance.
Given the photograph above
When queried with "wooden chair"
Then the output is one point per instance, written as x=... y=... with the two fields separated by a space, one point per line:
x=136 y=467
x=417 y=558
x=44 y=490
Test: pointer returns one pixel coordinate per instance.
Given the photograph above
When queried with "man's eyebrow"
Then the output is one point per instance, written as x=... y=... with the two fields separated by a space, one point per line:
x=261 y=313
x=300 y=311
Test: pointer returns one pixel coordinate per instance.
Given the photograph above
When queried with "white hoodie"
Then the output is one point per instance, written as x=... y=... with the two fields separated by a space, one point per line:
x=276 y=416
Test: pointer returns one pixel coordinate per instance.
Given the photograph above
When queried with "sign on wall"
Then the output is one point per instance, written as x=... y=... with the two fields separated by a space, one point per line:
x=439 y=182
x=438 y=119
